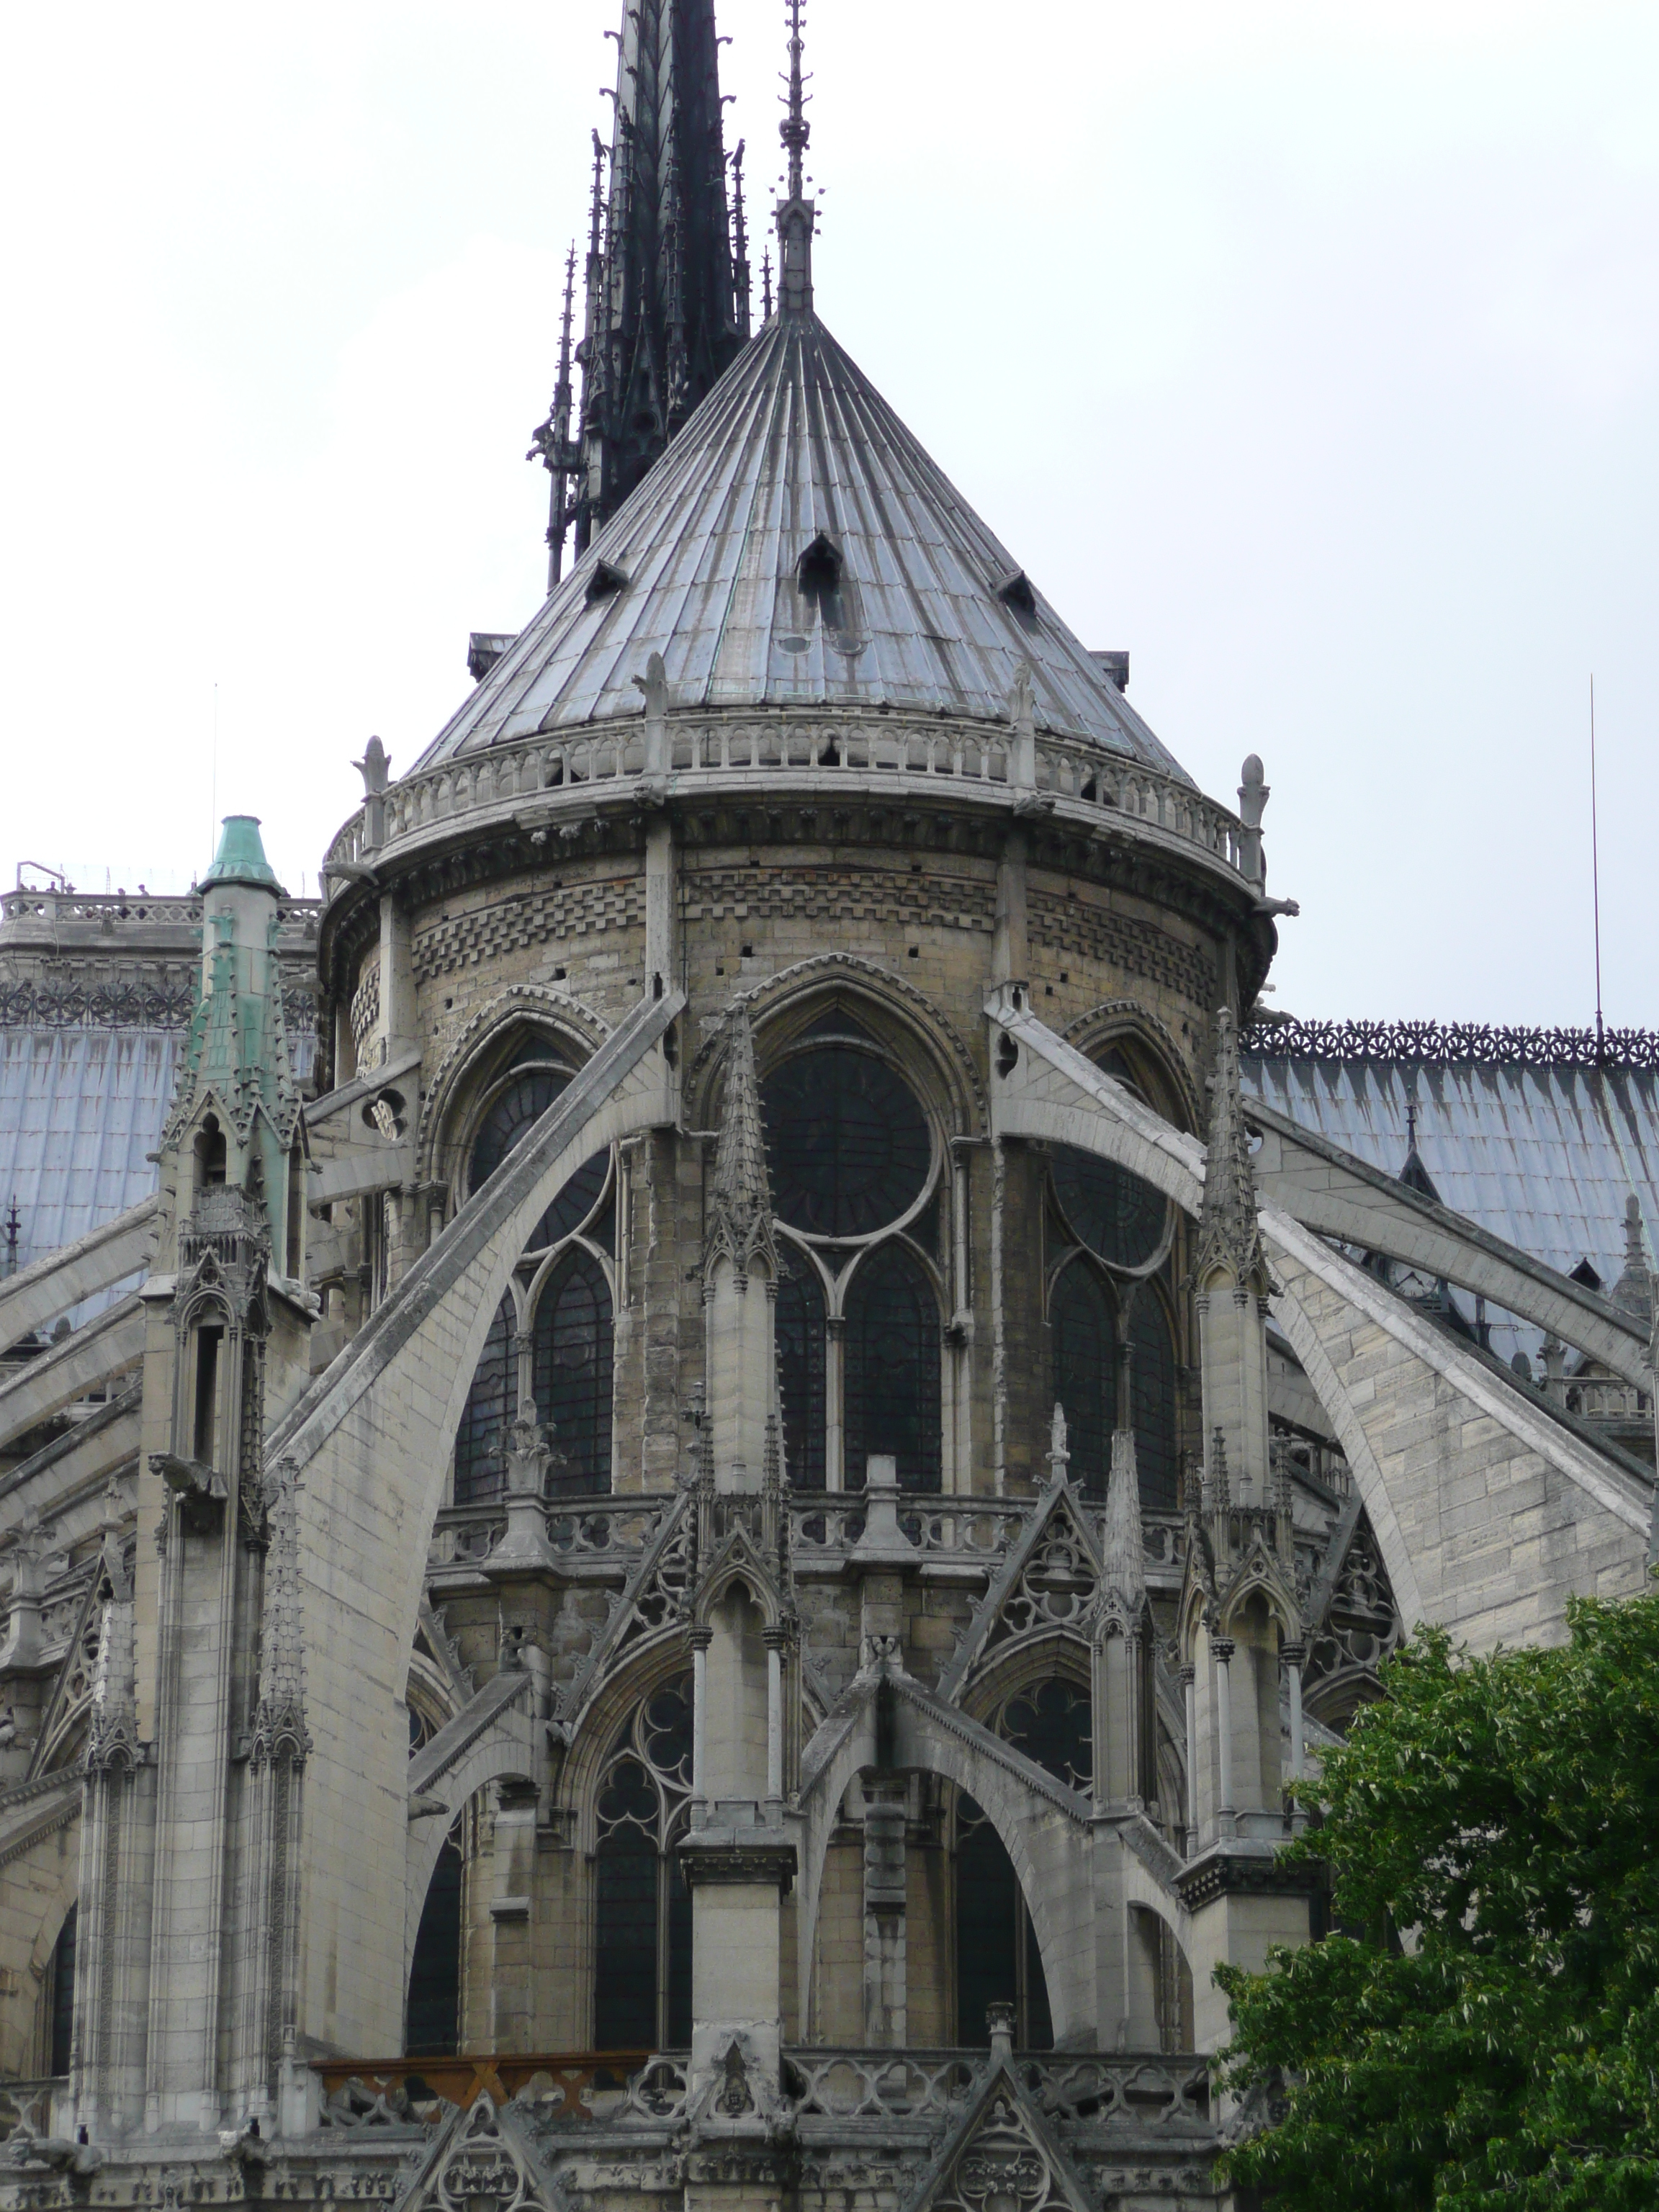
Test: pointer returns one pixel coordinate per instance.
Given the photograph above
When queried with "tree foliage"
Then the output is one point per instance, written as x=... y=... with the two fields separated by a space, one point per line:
x=1484 y=2030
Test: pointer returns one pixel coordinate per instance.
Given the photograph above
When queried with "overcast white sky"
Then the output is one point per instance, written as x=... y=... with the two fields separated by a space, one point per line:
x=1308 y=351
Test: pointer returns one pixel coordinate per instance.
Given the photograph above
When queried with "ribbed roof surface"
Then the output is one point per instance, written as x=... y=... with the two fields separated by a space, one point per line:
x=793 y=444
x=1544 y=1157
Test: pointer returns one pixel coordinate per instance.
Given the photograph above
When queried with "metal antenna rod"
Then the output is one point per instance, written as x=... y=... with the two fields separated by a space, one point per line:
x=1595 y=871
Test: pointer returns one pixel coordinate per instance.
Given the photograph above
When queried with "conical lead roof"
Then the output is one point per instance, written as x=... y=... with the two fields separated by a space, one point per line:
x=795 y=547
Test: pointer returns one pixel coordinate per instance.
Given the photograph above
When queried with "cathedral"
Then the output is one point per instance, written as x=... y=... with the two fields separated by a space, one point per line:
x=683 y=1476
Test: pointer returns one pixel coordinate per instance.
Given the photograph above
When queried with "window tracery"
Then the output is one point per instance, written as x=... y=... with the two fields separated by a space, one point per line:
x=1108 y=1322
x=855 y=1168
x=642 y=1907
x=552 y=1340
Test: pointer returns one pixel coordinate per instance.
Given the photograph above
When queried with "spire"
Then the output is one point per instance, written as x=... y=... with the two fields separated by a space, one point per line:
x=740 y=1202
x=797 y=216
x=739 y=244
x=1230 y=1238
x=550 y=441
x=664 y=319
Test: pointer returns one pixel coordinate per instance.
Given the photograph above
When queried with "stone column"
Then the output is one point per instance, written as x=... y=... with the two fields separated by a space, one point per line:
x=1221 y=1651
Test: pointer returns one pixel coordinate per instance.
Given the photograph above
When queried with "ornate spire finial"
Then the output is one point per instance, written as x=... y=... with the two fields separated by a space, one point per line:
x=740 y=1202
x=797 y=216
x=766 y=285
x=739 y=245
x=1230 y=1237
x=550 y=441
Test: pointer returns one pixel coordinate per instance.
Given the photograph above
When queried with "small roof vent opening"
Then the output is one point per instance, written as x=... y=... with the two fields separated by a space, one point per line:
x=1016 y=593
x=484 y=647
x=817 y=571
x=605 y=582
x=1114 y=666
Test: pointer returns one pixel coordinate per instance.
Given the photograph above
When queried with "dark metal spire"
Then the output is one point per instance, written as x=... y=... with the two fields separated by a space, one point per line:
x=739 y=244
x=797 y=216
x=666 y=309
x=552 y=441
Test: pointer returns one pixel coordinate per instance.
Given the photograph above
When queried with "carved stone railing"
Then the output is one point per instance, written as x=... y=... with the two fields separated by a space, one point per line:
x=37 y=2107
x=838 y=2084
x=708 y=749
x=599 y=1529
x=580 y=2086
x=1119 y=2090
x=824 y=1522
x=103 y=909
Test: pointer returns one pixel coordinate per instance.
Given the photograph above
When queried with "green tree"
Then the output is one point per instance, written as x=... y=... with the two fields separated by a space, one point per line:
x=1484 y=2032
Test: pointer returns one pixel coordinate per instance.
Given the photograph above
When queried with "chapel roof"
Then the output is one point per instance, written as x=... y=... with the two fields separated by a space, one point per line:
x=796 y=547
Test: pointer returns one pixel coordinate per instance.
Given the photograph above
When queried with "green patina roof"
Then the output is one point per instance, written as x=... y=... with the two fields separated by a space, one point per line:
x=240 y=858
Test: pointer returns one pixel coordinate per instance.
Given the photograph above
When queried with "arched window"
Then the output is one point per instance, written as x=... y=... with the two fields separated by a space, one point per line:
x=801 y=1338
x=60 y=1997
x=432 y=2021
x=847 y=1145
x=642 y=1907
x=1152 y=1402
x=515 y=1108
x=571 y=1360
x=892 y=1352
x=1084 y=1348
x=855 y=1177
x=1051 y=1724
x=999 y=1960
x=479 y=1442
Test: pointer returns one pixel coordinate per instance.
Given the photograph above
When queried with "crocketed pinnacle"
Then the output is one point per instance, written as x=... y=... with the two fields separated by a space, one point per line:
x=1633 y=1292
x=740 y=1205
x=1230 y=1236
x=797 y=216
x=279 y=1727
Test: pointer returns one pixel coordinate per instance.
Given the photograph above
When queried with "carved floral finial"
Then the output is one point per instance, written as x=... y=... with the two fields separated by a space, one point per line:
x=740 y=1202
x=1230 y=1236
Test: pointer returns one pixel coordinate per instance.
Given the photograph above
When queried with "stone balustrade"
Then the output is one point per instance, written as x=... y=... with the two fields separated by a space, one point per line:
x=708 y=751
x=1116 y=2091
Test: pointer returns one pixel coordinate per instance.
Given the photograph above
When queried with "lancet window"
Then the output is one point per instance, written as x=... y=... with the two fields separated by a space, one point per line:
x=999 y=1960
x=549 y=1346
x=60 y=1997
x=642 y=1907
x=1111 y=1341
x=855 y=1168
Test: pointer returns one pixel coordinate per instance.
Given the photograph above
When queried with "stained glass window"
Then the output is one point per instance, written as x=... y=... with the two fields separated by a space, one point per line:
x=1116 y=1215
x=512 y=1113
x=1083 y=1345
x=892 y=1370
x=642 y=1982
x=1051 y=1724
x=801 y=1368
x=571 y=1340
x=847 y=1144
x=433 y=2023
x=62 y=1995
x=998 y=1958
x=479 y=1467
x=1152 y=1399
x=573 y=1204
